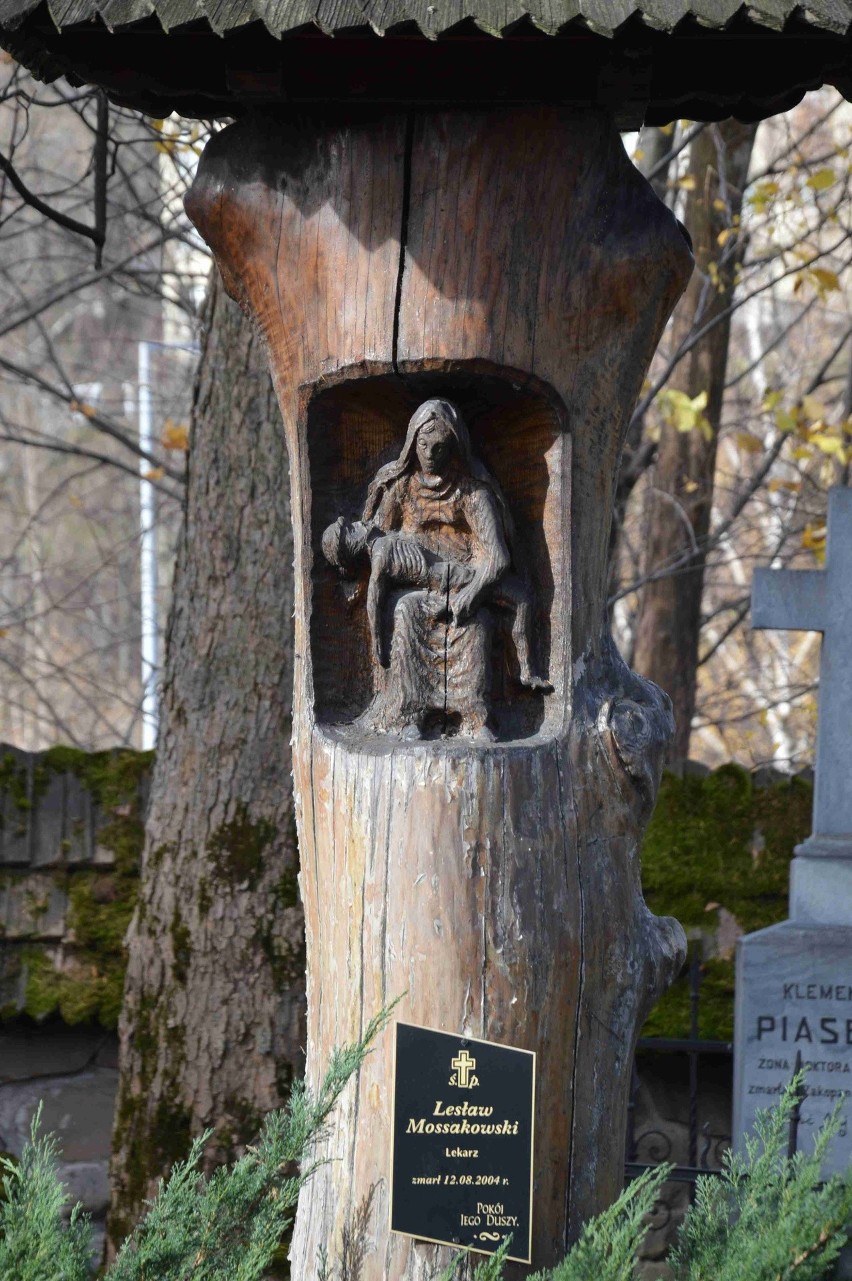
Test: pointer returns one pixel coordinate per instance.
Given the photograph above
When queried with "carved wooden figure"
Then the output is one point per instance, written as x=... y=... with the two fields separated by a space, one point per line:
x=474 y=763
x=436 y=520
x=460 y=308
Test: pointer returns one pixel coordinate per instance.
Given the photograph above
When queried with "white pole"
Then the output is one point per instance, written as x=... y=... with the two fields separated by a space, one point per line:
x=147 y=556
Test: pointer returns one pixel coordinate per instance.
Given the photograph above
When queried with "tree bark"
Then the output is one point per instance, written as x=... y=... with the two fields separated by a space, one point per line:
x=680 y=495
x=212 y=1029
x=514 y=263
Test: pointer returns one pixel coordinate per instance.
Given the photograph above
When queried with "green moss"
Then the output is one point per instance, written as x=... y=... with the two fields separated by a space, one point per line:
x=150 y=1139
x=111 y=777
x=287 y=889
x=41 y=995
x=86 y=989
x=15 y=783
x=181 y=946
x=205 y=898
x=156 y=855
x=236 y=848
x=36 y=905
x=99 y=910
x=719 y=842
x=89 y=984
x=671 y=1016
x=169 y=1135
x=286 y=962
x=17 y=786
x=155 y=1143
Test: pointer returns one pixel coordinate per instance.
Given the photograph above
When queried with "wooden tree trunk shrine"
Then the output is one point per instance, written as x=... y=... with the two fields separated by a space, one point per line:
x=489 y=285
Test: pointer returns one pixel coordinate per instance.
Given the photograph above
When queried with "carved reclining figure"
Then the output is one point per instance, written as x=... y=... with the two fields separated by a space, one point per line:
x=400 y=559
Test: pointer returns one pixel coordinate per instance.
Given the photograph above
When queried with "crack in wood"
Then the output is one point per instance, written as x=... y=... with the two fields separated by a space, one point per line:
x=403 y=233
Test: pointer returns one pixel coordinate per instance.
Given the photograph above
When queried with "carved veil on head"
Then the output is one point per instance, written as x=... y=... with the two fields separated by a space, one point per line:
x=443 y=411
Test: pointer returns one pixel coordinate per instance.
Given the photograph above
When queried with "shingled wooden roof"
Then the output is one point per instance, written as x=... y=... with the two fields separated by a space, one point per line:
x=656 y=60
x=492 y=17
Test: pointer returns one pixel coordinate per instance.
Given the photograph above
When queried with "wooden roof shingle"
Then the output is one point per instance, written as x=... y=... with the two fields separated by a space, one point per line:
x=650 y=60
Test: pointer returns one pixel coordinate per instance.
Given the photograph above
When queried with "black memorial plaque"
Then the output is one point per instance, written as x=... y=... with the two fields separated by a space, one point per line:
x=461 y=1165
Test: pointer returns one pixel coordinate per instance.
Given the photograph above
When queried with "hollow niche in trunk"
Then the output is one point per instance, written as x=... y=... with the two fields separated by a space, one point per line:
x=395 y=547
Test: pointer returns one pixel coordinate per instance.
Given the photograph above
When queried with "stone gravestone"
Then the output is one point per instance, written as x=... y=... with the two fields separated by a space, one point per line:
x=794 y=980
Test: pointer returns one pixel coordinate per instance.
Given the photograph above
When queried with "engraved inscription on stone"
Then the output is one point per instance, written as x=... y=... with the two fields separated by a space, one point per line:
x=794 y=993
x=461 y=1168
x=794 y=980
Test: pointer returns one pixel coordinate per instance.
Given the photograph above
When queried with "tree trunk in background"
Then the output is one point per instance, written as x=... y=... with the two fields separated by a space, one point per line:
x=213 y=1024
x=680 y=500
x=656 y=145
x=653 y=159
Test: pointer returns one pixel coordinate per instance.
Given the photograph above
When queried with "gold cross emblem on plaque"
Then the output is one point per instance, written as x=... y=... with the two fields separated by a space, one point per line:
x=464 y=1065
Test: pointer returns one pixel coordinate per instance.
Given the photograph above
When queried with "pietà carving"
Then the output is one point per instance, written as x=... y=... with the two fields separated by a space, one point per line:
x=436 y=540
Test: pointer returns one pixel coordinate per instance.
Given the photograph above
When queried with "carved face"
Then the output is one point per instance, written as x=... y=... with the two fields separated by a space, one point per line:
x=435 y=446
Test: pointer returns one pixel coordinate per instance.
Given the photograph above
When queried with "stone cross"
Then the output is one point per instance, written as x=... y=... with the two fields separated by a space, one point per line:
x=821 y=601
x=794 y=979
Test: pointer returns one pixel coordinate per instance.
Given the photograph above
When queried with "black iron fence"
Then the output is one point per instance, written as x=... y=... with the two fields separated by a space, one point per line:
x=648 y=1146
x=692 y=1130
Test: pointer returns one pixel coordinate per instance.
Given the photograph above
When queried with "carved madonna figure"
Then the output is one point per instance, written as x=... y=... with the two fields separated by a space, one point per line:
x=436 y=523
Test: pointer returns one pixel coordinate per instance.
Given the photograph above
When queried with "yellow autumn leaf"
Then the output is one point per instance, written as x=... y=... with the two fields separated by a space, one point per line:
x=784 y=420
x=821 y=180
x=748 y=443
x=719 y=205
x=825 y=280
x=638 y=155
x=772 y=399
x=725 y=235
x=776 y=486
x=801 y=452
x=154 y=473
x=175 y=435
x=829 y=444
x=814 y=409
x=4 y=631
x=813 y=540
x=79 y=407
x=687 y=182
x=762 y=194
x=685 y=413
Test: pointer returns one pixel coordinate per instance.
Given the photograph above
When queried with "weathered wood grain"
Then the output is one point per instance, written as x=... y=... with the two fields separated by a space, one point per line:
x=515 y=262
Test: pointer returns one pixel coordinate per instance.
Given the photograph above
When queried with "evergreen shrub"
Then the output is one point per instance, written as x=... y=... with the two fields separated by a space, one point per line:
x=765 y=1218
